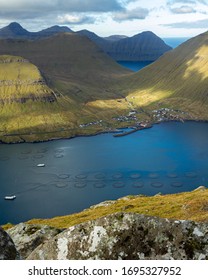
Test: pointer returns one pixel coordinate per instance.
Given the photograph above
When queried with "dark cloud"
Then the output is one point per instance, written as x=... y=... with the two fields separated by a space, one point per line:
x=22 y=9
x=202 y=24
x=138 y=13
x=183 y=10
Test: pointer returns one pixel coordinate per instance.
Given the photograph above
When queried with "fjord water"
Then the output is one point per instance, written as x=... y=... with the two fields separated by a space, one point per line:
x=138 y=65
x=168 y=158
x=134 y=65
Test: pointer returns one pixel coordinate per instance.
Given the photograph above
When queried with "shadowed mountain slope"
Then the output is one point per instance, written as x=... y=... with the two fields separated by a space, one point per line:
x=89 y=86
x=75 y=70
x=179 y=78
x=15 y=31
x=145 y=46
x=70 y=63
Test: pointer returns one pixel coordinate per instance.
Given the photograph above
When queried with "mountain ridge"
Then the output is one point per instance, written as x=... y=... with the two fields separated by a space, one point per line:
x=90 y=87
x=140 y=47
x=15 y=31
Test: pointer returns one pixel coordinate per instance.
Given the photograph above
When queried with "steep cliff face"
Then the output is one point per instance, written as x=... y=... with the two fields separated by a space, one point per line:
x=145 y=46
x=128 y=236
x=21 y=81
x=141 y=47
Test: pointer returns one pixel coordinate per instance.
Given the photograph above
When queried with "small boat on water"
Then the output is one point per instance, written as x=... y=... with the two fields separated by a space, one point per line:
x=12 y=197
x=40 y=165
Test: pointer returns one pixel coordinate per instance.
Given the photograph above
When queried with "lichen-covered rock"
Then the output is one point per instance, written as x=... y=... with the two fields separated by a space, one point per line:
x=7 y=247
x=128 y=236
x=27 y=237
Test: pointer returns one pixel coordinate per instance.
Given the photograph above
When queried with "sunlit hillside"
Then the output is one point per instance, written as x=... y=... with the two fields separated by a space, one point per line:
x=178 y=79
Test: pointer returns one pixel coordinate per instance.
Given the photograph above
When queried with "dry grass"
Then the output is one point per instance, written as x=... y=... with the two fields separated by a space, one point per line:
x=184 y=206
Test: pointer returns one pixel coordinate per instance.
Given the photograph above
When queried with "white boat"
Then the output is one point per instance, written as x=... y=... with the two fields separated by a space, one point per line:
x=40 y=165
x=12 y=197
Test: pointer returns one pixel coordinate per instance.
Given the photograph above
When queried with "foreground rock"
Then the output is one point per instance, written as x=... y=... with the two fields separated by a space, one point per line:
x=7 y=247
x=28 y=237
x=128 y=236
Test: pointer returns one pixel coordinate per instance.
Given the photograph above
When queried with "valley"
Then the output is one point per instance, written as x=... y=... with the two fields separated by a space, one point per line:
x=87 y=86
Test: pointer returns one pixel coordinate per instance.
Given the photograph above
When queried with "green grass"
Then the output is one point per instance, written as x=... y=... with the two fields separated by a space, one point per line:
x=88 y=84
x=184 y=206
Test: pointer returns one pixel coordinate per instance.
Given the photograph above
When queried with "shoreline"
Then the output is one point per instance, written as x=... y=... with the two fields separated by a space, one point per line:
x=116 y=130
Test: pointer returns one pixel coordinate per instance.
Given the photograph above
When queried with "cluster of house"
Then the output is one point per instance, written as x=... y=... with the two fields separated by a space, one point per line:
x=163 y=114
x=130 y=117
x=91 y=123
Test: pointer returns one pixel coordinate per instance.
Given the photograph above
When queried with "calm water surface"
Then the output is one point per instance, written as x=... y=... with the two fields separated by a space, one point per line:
x=168 y=158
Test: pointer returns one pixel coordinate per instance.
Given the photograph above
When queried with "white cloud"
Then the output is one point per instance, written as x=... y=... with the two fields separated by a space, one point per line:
x=198 y=24
x=125 y=15
x=75 y=19
x=183 y=10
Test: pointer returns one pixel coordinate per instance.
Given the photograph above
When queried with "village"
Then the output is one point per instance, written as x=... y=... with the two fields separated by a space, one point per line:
x=157 y=116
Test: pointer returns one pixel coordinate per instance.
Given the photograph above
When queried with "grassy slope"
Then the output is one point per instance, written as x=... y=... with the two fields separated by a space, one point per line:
x=88 y=84
x=185 y=206
x=76 y=70
x=178 y=79
x=22 y=80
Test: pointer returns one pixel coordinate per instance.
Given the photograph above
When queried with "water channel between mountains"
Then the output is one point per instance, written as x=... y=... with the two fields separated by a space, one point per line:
x=168 y=158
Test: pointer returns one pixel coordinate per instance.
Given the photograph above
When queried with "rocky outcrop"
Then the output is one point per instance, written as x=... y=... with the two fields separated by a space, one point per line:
x=28 y=237
x=128 y=236
x=7 y=247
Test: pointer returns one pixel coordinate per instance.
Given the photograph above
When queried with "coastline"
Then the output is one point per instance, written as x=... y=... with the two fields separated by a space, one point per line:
x=134 y=128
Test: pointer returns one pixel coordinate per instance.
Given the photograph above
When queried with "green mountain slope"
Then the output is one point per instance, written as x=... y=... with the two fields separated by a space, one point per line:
x=179 y=79
x=21 y=81
x=27 y=104
x=77 y=72
x=88 y=86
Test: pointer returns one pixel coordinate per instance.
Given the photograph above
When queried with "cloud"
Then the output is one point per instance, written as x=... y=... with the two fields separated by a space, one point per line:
x=74 y=19
x=183 y=10
x=201 y=24
x=19 y=9
x=138 y=13
x=171 y=2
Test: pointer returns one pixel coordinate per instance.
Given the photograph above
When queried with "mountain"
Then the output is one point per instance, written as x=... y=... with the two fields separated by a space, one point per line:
x=99 y=41
x=141 y=47
x=179 y=79
x=22 y=81
x=114 y=38
x=53 y=30
x=75 y=70
x=145 y=46
x=15 y=31
x=92 y=93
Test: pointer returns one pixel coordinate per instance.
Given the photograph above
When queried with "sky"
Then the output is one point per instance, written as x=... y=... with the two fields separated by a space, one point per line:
x=166 y=18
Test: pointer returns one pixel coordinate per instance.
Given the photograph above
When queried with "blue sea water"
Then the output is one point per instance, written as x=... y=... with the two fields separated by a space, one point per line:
x=175 y=42
x=80 y=172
